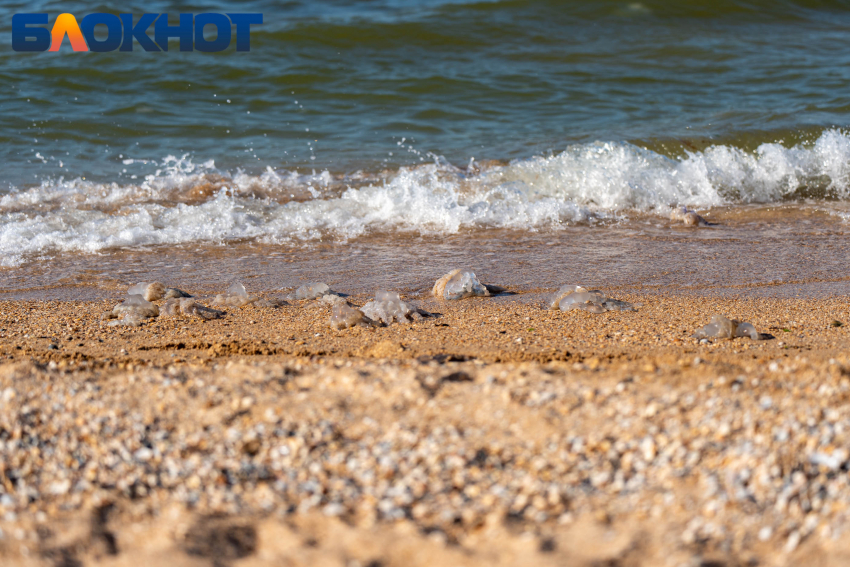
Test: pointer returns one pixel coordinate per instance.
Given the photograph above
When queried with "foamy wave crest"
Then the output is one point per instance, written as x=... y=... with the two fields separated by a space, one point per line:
x=186 y=202
x=617 y=176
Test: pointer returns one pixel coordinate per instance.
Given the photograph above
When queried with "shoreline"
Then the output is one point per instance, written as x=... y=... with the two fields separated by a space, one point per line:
x=267 y=436
x=783 y=251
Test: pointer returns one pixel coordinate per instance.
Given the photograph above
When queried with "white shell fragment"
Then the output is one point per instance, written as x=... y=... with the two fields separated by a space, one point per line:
x=344 y=316
x=571 y=297
x=153 y=291
x=459 y=284
x=688 y=217
x=186 y=307
x=722 y=328
x=235 y=296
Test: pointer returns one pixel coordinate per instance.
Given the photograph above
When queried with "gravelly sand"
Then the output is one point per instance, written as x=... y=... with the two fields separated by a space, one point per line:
x=496 y=433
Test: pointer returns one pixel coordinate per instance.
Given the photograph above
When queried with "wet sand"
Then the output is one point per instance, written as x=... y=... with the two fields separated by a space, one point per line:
x=495 y=433
x=789 y=250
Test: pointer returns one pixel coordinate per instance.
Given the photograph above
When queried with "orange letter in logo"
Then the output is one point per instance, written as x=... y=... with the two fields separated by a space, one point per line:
x=67 y=24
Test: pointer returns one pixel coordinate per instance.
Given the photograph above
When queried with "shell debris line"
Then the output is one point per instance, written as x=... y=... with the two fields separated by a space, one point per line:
x=721 y=327
x=687 y=217
x=571 y=297
x=459 y=284
x=388 y=307
x=235 y=296
x=153 y=291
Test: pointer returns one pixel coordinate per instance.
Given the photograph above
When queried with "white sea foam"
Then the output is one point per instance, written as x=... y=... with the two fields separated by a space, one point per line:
x=188 y=202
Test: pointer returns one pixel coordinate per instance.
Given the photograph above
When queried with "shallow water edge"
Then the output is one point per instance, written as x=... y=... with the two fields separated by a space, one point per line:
x=787 y=251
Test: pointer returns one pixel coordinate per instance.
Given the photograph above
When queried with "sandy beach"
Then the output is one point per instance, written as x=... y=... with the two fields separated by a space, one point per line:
x=496 y=433
x=691 y=159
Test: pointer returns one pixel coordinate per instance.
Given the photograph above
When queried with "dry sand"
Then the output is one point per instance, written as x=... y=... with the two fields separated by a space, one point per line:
x=498 y=433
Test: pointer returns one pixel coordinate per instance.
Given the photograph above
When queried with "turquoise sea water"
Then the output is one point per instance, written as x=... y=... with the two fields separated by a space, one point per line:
x=592 y=111
x=345 y=82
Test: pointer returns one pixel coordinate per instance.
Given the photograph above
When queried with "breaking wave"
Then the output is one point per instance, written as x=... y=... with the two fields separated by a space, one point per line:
x=186 y=202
